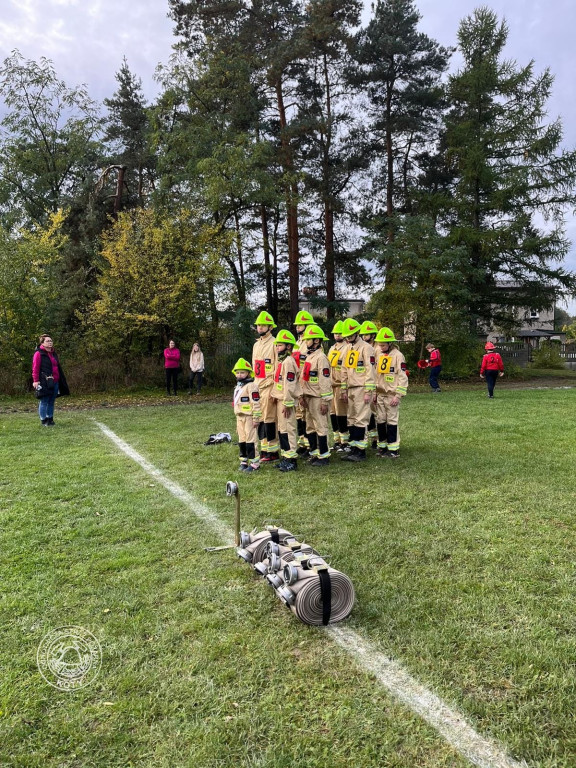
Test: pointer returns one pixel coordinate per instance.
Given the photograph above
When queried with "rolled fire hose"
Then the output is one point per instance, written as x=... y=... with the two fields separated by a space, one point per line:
x=278 y=557
x=253 y=546
x=318 y=595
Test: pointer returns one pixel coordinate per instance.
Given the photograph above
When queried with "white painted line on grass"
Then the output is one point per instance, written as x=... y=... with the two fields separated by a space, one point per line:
x=479 y=750
x=225 y=533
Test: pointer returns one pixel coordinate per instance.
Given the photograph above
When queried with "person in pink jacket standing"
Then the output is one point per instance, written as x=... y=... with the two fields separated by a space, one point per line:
x=47 y=379
x=172 y=366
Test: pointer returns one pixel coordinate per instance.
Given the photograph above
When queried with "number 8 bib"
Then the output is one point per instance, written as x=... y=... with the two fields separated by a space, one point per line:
x=384 y=364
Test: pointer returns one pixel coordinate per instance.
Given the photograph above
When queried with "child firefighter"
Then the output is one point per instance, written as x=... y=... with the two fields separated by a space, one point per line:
x=391 y=386
x=264 y=365
x=316 y=386
x=248 y=414
x=368 y=333
x=358 y=387
x=339 y=406
x=302 y=321
x=286 y=391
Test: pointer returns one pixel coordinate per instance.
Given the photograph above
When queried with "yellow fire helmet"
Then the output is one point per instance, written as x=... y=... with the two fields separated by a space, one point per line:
x=285 y=337
x=368 y=328
x=242 y=365
x=350 y=327
x=265 y=318
x=314 y=332
x=337 y=327
x=385 y=335
x=303 y=318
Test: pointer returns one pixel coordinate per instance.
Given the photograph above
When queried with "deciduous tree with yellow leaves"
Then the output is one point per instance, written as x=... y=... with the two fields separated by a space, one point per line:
x=157 y=281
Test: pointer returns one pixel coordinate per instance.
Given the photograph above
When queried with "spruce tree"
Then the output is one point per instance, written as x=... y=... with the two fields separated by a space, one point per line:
x=513 y=180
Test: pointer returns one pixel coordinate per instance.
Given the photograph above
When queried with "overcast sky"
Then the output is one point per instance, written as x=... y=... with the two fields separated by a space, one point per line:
x=87 y=39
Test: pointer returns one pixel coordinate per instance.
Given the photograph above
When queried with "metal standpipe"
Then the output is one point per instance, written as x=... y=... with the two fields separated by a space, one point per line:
x=231 y=490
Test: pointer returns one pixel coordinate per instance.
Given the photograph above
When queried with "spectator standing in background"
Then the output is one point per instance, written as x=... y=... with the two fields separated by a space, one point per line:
x=435 y=364
x=172 y=366
x=48 y=379
x=196 y=368
x=492 y=367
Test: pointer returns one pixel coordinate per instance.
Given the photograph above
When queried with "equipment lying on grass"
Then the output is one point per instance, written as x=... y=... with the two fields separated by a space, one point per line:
x=219 y=437
x=253 y=546
x=301 y=578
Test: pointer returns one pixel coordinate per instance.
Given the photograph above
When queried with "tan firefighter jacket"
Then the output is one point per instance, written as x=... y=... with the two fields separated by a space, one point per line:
x=391 y=377
x=287 y=382
x=336 y=359
x=315 y=379
x=247 y=399
x=264 y=361
x=358 y=369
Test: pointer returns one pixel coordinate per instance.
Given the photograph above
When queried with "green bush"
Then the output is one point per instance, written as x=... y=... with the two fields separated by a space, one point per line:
x=547 y=356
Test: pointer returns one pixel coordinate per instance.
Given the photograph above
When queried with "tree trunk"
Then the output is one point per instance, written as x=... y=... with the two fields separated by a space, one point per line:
x=328 y=207
x=329 y=259
x=287 y=161
x=267 y=265
x=242 y=294
x=119 y=188
x=389 y=183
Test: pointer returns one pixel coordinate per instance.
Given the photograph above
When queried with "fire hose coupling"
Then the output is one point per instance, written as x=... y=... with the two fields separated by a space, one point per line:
x=290 y=574
x=244 y=554
x=231 y=488
x=261 y=568
x=285 y=555
x=274 y=580
x=286 y=595
x=272 y=549
x=253 y=545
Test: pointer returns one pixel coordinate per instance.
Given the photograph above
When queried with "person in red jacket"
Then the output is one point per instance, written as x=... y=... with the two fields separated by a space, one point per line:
x=172 y=366
x=492 y=367
x=435 y=364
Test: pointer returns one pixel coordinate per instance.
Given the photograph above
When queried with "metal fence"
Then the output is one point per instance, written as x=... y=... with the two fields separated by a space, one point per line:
x=515 y=352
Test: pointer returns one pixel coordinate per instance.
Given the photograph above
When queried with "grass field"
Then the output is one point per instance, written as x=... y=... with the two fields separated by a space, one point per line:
x=462 y=553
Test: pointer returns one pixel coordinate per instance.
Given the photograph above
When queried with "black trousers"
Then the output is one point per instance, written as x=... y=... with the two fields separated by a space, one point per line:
x=198 y=382
x=491 y=377
x=172 y=377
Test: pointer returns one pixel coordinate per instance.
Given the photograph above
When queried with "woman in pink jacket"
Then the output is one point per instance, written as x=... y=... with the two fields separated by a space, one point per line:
x=172 y=366
x=47 y=379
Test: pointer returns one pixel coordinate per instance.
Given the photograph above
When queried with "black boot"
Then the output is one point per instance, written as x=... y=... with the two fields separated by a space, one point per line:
x=360 y=455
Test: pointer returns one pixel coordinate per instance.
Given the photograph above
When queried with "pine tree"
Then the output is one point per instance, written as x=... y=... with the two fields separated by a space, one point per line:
x=328 y=146
x=399 y=68
x=128 y=134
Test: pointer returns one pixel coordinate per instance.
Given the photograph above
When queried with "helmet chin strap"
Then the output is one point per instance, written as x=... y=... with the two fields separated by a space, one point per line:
x=263 y=333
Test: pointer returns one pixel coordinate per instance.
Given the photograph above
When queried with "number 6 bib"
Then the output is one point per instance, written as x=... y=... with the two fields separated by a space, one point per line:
x=352 y=359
